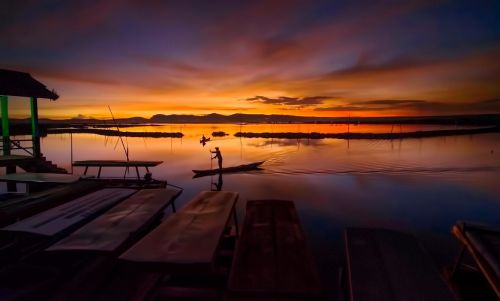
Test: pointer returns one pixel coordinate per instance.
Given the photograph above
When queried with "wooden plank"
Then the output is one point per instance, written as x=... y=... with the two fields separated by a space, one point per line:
x=191 y=236
x=391 y=266
x=272 y=259
x=116 y=163
x=33 y=177
x=58 y=219
x=111 y=230
x=15 y=209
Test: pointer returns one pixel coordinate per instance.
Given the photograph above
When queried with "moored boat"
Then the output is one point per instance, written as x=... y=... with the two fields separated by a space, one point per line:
x=243 y=167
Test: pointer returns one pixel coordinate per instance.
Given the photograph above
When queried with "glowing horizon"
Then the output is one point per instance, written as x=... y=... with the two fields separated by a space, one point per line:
x=330 y=58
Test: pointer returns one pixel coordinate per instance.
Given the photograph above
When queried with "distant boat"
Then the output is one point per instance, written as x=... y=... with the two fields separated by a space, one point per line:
x=243 y=167
x=204 y=140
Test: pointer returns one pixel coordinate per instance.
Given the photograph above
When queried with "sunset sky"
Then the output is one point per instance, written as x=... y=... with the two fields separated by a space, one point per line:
x=325 y=58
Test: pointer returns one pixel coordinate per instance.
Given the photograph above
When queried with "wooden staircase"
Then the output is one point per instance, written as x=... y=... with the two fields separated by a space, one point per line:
x=41 y=164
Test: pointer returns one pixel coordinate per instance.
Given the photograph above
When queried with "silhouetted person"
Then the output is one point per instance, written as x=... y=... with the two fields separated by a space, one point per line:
x=204 y=140
x=218 y=185
x=218 y=155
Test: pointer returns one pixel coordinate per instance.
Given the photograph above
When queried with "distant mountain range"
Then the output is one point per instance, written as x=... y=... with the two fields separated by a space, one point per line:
x=487 y=119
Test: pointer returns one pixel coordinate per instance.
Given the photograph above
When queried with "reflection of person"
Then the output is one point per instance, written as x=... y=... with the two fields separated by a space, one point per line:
x=218 y=185
x=218 y=155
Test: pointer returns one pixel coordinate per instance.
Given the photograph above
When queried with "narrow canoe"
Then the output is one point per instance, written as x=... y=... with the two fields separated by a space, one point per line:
x=243 y=167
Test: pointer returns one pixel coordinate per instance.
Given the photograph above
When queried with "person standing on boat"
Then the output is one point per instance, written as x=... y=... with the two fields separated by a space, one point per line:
x=218 y=155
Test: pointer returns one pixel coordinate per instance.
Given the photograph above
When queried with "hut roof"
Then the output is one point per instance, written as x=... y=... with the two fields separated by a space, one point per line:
x=15 y=83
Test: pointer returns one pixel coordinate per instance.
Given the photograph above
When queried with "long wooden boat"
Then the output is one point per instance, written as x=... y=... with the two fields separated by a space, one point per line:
x=243 y=167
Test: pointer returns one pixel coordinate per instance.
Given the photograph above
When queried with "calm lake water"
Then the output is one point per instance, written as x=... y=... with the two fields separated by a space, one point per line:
x=416 y=185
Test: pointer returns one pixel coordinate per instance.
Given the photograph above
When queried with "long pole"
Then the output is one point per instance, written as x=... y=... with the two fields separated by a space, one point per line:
x=71 y=143
x=125 y=149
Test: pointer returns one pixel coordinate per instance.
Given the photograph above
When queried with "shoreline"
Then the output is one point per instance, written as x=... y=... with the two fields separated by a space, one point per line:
x=417 y=134
x=105 y=132
x=284 y=135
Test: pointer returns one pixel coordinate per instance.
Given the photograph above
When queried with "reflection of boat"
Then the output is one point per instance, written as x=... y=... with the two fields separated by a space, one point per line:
x=243 y=167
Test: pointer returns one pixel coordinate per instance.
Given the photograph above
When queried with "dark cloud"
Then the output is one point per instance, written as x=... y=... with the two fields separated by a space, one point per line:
x=290 y=101
x=363 y=67
x=491 y=105
x=384 y=105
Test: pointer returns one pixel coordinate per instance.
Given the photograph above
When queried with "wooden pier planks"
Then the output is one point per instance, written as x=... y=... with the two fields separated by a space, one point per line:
x=272 y=260
x=111 y=230
x=391 y=266
x=59 y=219
x=191 y=236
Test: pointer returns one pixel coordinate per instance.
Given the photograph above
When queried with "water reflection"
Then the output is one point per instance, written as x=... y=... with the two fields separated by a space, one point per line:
x=217 y=185
x=411 y=184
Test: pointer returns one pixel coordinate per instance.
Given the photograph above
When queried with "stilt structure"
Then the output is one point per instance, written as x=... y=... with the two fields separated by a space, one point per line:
x=20 y=84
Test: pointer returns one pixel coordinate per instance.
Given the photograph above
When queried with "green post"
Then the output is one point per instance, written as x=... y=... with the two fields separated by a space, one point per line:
x=4 y=103
x=5 y=125
x=35 y=134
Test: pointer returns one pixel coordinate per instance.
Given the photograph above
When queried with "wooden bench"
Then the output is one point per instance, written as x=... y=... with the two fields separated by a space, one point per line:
x=272 y=260
x=116 y=163
x=483 y=243
x=112 y=230
x=188 y=241
x=387 y=265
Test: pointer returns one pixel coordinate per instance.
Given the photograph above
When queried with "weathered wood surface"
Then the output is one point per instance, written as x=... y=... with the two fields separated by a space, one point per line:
x=116 y=163
x=14 y=209
x=272 y=260
x=34 y=177
x=111 y=230
x=59 y=219
x=391 y=266
x=191 y=236
x=483 y=243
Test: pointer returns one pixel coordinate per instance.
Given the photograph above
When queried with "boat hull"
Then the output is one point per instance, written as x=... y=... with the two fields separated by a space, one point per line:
x=239 y=168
